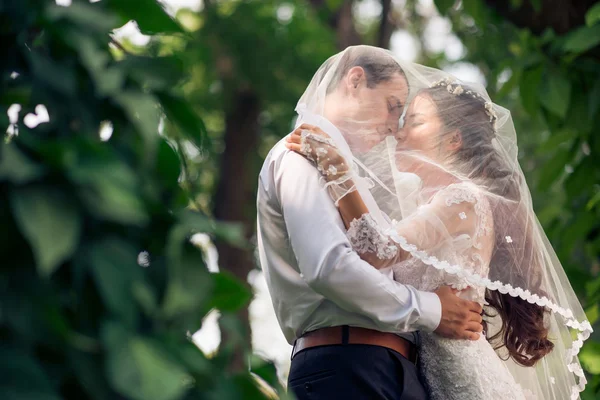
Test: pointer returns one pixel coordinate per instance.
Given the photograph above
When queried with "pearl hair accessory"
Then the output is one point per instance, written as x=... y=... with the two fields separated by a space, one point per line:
x=456 y=89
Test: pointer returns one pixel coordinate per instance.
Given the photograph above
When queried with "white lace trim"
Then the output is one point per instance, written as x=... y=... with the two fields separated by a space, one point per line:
x=584 y=328
x=366 y=237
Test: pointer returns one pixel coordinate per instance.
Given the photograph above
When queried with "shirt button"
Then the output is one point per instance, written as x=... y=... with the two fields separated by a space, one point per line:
x=302 y=276
x=308 y=387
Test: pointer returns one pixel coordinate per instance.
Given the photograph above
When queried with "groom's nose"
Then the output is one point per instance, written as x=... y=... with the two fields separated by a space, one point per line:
x=389 y=129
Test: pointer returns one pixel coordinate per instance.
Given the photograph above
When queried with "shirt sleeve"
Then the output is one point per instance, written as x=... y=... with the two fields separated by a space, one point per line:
x=328 y=263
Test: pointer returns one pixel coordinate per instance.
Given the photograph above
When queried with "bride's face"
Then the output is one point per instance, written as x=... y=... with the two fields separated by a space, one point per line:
x=422 y=128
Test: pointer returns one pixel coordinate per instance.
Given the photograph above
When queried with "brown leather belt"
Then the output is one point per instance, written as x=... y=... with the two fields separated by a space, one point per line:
x=353 y=335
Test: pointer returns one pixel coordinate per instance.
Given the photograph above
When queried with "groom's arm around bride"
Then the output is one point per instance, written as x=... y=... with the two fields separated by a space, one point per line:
x=318 y=282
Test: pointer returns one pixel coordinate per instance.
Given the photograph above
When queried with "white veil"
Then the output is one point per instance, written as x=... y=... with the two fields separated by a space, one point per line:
x=400 y=175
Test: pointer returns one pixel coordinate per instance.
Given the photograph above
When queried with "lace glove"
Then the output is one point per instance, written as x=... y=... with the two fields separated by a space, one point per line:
x=366 y=237
x=316 y=146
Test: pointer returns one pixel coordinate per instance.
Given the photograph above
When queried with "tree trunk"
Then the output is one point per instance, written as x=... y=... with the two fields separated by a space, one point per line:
x=344 y=26
x=387 y=25
x=342 y=22
x=234 y=200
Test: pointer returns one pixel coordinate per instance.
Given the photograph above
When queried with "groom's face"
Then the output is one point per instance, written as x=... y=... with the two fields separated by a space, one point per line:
x=373 y=110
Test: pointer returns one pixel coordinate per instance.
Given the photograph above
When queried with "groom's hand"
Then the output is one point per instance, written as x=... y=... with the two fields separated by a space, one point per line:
x=461 y=319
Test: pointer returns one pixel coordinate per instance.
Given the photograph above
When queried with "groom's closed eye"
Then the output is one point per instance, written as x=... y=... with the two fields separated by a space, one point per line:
x=394 y=104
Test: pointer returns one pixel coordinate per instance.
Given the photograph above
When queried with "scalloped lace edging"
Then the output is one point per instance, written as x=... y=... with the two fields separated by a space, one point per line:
x=584 y=328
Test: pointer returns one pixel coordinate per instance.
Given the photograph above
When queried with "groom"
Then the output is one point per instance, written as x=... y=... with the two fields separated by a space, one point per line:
x=350 y=324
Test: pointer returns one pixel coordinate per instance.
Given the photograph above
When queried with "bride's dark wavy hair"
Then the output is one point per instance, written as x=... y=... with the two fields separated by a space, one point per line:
x=524 y=332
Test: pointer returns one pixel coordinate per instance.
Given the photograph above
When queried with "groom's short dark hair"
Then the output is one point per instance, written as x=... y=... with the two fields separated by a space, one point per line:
x=378 y=65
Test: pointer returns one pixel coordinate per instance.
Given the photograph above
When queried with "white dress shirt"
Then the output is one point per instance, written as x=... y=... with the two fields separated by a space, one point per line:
x=314 y=276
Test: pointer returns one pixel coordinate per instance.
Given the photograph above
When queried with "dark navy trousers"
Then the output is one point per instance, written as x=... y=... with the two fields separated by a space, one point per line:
x=354 y=371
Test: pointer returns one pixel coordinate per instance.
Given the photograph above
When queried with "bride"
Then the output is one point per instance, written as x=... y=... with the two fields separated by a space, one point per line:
x=443 y=201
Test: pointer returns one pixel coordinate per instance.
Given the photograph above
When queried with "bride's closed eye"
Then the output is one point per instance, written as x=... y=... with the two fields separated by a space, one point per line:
x=412 y=122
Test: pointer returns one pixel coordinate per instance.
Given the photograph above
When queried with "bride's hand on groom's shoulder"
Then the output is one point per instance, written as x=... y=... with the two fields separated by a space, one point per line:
x=315 y=145
x=461 y=319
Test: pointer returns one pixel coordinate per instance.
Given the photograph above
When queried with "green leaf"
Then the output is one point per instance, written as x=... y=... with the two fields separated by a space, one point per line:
x=193 y=358
x=529 y=89
x=91 y=374
x=150 y=15
x=477 y=10
x=593 y=201
x=50 y=222
x=242 y=386
x=594 y=100
x=229 y=293
x=537 y=5
x=113 y=264
x=108 y=80
x=180 y=113
x=553 y=169
x=549 y=213
x=16 y=167
x=444 y=6
x=555 y=93
x=155 y=73
x=334 y=5
x=140 y=368
x=58 y=76
x=190 y=285
x=577 y=230
x=266 y=370
x=593 y=15
x=110 y=189
x=142 y=111
x=592 y=314
x=583 y=177
x=592 y=288
x=87 y=16
x=168 y=165
x=145 y=297
x=516 y=4
x=590 y=357
x=554 y=141
x=23 y=377
x=230 y=232
x=582 y=39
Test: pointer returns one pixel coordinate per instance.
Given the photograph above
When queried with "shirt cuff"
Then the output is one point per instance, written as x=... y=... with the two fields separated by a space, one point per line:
x=431 y=311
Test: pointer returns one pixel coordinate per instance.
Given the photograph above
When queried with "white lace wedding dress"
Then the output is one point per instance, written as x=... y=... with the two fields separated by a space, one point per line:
x=455 y=225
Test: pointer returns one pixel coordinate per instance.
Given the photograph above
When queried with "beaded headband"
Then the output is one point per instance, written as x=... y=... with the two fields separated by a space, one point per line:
x=456 y=89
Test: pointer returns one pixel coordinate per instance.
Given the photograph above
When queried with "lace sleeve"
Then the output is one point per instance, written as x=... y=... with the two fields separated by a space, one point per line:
x=366 y=238
x=452 y=233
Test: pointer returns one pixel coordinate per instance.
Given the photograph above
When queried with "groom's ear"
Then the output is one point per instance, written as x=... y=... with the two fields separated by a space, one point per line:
x=355 y=78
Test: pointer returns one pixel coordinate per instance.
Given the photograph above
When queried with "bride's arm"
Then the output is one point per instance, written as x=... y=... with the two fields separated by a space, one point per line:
x=366 y=237
x=445 y=216
x=351 y=207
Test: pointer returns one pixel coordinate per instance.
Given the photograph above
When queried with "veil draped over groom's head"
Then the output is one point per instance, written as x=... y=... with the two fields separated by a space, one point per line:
x=412 y=131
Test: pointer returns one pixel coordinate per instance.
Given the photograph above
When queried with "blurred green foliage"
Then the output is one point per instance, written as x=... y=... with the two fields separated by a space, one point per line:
x=99 y=282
